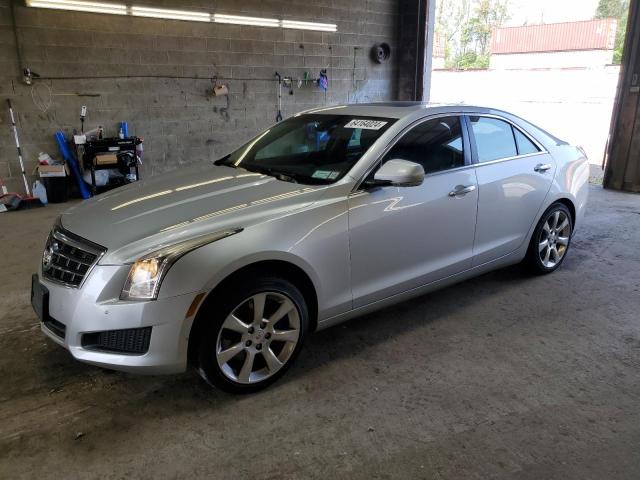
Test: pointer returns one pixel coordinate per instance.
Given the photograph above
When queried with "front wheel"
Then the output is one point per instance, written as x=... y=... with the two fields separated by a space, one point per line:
x=253 y=335
x=551 y=239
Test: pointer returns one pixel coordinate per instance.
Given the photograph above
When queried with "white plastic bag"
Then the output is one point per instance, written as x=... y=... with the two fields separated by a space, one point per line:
x=102 y=177
x=39 y=191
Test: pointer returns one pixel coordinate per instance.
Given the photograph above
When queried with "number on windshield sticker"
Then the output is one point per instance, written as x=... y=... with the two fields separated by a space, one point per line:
x=365 y=124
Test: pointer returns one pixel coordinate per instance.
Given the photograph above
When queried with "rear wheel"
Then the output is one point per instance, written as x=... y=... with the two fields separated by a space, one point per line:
x=253 y=335
x=551 y=239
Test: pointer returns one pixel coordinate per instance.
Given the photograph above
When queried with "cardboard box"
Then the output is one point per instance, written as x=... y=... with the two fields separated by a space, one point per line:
x=106 y=159
x=52 y=170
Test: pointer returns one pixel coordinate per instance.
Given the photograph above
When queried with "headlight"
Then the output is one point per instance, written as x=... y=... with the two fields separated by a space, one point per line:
x=147 y=273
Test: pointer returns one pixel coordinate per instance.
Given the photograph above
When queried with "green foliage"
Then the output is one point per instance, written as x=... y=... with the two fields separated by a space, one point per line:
x=488 y=15
x=618 y=9
x=466 y=26
x=468 y=60
x=612 y=9
x=619 y=45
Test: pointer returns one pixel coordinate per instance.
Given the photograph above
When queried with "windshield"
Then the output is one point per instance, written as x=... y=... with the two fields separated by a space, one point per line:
x=310 y=149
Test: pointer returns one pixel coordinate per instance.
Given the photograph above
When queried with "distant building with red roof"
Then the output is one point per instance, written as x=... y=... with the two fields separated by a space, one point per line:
x=554 y=45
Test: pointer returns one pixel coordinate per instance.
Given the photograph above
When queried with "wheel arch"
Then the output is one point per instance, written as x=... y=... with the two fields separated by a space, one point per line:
x=570 y=205
x=281 y=268
x=566 y=201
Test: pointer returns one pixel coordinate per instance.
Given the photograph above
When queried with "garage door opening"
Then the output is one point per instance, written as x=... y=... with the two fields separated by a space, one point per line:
x=554 y=63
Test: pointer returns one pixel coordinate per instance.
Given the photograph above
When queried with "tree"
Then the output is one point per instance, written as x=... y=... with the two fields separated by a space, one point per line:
x=618 y=9
x=450 y=17
x=468 y=42
x=612 y=8
x=489 y=14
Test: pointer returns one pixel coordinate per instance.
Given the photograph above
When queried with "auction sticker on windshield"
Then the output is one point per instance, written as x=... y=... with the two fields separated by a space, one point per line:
x=365 y=124
x=326 y=174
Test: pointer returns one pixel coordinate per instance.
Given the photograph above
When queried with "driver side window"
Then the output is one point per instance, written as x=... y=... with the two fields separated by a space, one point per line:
x=436 y=144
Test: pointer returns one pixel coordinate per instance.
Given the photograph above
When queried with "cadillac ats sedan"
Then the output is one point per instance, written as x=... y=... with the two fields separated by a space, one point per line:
x=228 y=265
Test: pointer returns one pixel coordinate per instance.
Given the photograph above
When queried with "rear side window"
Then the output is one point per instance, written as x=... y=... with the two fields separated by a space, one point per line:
x=494 y=138
x=435 y=144
x=524 y=145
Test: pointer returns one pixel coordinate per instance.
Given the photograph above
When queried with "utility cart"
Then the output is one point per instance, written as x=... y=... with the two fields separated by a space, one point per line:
x=112 y=153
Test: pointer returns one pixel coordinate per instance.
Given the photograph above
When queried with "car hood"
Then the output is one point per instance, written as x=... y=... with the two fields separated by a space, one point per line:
x=147 y=215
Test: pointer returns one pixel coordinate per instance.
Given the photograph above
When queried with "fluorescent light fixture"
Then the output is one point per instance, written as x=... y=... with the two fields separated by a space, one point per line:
x=170 y=14
x=323 y=27
x=80 y=6
x=239 y=20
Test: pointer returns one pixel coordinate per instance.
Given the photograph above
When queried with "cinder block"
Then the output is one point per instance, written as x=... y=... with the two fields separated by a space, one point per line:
x=284 y=48
x=292 y=35
x=141 y=42
x=192 y=58
x=108 y=39
x=311 y=37
x=218 y=45
x=120 y=56
x=251 y=46
x=180 y=121
x=293 y=62
x=152 y=57
x=316 y=62
x=197 y=44
x=168 y=43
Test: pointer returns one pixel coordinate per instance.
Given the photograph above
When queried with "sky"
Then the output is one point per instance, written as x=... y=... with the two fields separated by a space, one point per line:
x=550 y=11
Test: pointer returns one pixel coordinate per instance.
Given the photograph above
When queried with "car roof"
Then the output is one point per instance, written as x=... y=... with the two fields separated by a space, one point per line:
x=398 y=109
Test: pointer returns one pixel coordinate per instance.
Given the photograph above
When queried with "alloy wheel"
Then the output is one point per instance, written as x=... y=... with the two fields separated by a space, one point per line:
x=258 y=337
x=554 y=239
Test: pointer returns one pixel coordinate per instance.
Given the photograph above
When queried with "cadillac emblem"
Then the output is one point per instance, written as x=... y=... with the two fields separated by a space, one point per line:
x=47 y=257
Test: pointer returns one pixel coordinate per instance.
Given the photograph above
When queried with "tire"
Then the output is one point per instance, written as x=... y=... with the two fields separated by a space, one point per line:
x=550 y=240
x=234 y=336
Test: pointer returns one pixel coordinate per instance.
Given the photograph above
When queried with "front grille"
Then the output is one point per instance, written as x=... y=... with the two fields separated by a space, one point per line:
x=59 y=329
x=67 y=258
x=132 y=340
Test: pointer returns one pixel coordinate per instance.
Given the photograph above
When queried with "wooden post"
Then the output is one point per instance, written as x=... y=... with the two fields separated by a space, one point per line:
x=622 y=158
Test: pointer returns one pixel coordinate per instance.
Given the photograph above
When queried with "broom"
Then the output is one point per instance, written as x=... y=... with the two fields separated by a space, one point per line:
x=27 y=201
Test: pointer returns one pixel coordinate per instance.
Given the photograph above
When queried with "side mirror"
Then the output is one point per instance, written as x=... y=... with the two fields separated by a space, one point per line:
x=399 y=173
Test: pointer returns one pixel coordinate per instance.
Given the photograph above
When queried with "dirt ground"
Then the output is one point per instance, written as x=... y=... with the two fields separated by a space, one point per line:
x=505 y=376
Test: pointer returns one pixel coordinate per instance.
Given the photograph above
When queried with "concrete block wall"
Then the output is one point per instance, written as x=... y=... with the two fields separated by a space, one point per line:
x=178 y=118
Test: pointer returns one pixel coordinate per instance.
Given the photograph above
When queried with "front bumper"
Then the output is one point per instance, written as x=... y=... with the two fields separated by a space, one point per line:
x=96 y=307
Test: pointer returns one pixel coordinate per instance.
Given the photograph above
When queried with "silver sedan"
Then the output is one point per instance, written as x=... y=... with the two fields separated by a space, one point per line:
x=327 y=215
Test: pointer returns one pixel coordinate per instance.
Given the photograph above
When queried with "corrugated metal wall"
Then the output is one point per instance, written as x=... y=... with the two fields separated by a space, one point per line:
x=555 y=37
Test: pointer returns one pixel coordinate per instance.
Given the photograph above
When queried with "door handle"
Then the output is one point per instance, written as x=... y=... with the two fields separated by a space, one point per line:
x=542 y=167
x=461 y=190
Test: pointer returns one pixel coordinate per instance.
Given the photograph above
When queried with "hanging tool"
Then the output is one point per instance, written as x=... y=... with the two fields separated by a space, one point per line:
x=323 y=80
x=279 y=114
x=288 y=83
x=83 y=113
x=15 y=134
x=29 y=200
